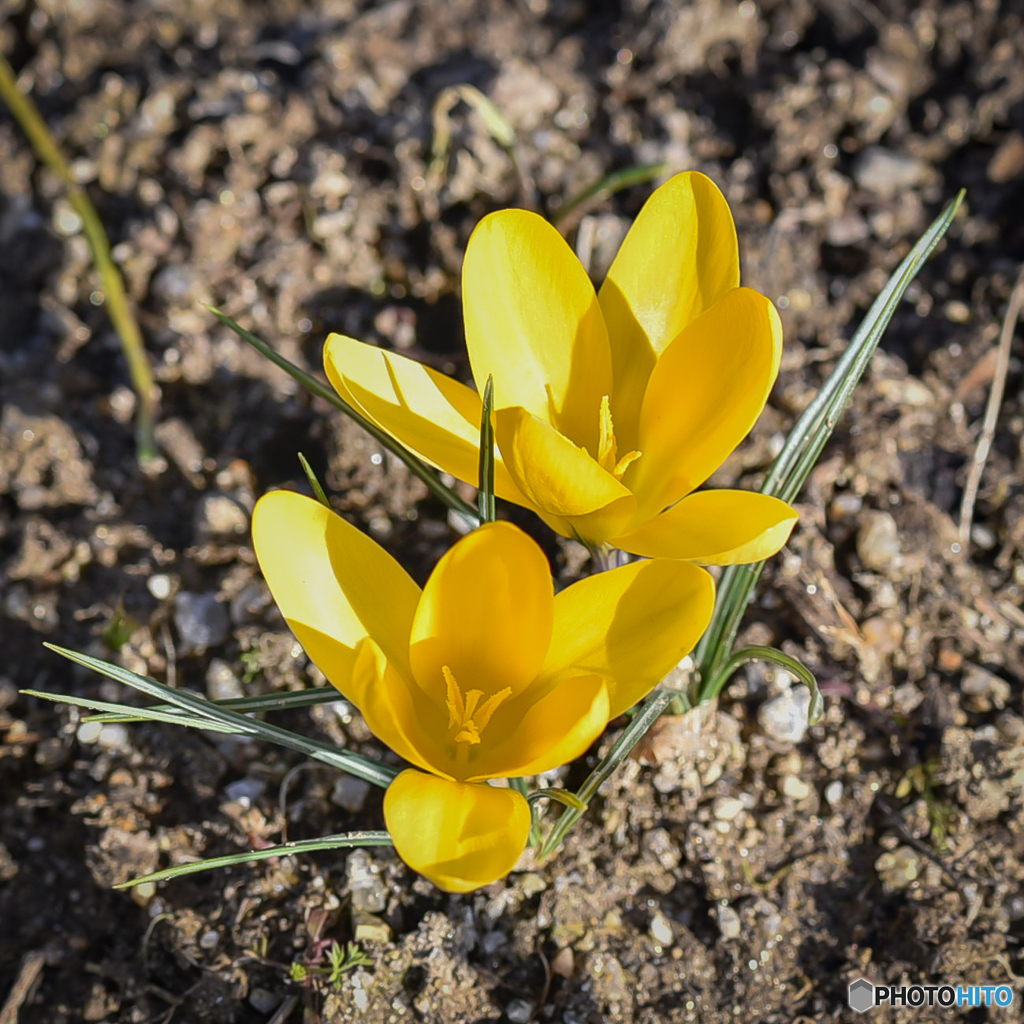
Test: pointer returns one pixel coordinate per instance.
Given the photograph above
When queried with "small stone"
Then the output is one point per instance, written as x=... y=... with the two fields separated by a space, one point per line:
x=263 y=1000
x=220 y=516
x=221 y=682
x=786 y=718
x=532 y=884
x=1007 y=161
x=245 y=790
x=834 y=792
x=727 y=808
x=368 y=892
x=563 y=963
x=794 y=788
x=369 y=928
x=886 y=173
x=898 y=868
x=878 y=543
x=202 y=621
x=89 y=732
x=350 y=793
x=661 y=930
x=728 y=923
x=113 y=736
x=159 y=585
x=519 y=1011
x=985 y=687
x=493 y=941
x=209 y=940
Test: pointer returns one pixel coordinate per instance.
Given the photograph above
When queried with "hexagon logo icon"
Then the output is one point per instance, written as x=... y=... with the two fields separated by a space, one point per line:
x=862 y=995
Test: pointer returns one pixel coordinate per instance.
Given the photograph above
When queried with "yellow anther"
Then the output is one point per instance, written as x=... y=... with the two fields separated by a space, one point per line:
x=466 y=715
x=607 y=446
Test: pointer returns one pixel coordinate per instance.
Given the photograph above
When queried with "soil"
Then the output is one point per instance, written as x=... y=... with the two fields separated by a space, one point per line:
x=275 y=159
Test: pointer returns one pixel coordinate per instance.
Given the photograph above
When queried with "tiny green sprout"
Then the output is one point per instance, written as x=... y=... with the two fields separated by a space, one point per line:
x=119 y=629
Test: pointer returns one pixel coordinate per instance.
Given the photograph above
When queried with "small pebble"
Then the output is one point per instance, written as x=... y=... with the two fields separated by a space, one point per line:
x=493 y=941
x=727 y=808
x=113 y=736
x=350 y=793
x=786 y=718
x=159 y=586
x=221 y=682
x=89 y=732
x=563 y=963
x=878 y=543
x=209 y=940
x=369 y=928
x=263 y=1000
x=886 y=173
x=661 y=930
x=245 y=790
x=519 y=1011
x=795 y=788
x=368 y=892
x=202 y=621
x=898 y=868
x=219 y=515
x=834 y=793
x=728 y=923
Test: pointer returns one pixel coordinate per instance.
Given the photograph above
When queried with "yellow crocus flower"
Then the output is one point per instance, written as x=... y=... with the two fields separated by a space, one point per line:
x=484 y=674
x=611 y=407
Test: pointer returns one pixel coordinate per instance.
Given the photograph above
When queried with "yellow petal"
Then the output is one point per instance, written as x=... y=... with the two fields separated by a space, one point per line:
x=704 y=395
x=485 y=614
x=534 y=735
x=333 y=584
x=630 y=625
x=434 y=416
x=556 y=476
x=534 y=323
x=678 y=259
x=715 y=528
x=398 y=713
x=459 y=835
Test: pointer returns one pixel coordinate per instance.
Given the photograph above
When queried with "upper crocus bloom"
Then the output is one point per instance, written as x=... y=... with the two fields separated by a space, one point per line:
x=483 y=674
x=611 y=408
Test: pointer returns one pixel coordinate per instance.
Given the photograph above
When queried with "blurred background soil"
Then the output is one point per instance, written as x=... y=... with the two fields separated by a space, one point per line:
x=274 y=159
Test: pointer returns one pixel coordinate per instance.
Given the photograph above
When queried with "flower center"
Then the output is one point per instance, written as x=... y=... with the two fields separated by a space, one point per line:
x=467 y=717
x=607 y=449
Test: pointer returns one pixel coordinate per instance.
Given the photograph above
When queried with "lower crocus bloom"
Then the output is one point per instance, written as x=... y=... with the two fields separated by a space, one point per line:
x=484 y=674
x=611 y=407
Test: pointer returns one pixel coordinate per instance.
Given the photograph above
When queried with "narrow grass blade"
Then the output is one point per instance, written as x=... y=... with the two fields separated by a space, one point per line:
x=117 y=712
x=806 y=441
x=115 y=298
x=335 y=842
x=321 y=495
x=363 y=768
x=756 y=653
x=485 y=498
x=649 y=712
x=607 y=186
x=268 y=702
x=416 y=466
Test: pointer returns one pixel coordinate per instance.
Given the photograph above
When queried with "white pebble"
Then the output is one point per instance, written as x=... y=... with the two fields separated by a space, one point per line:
x=661 y=930
x=795 y=788
x=728 y=923
x=786 y=718
x=727 y=808
x=159 y=586
x=89 y=732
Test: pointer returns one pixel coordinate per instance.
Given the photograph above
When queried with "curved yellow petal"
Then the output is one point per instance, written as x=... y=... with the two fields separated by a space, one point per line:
x=459 y=835
x=434 y=416
x=398 y=713
x=678 y=259
x=718 y=527
x=704 y=395
x=536 y=734
x=485 y=614
x=556 y=476
x=333 y=584
x=630 y=625
x=534 y=323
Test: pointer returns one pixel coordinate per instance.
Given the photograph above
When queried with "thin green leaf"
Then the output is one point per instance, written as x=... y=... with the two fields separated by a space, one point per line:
x=318 y=491
x=268 y=702
x=649 y=712
x=485 y=497
x=335 y=842
x=806 y=441
x=363 y=768
x=139 y=714
x=416 y=466
x=608 y=186
x=562 y=796
x=757 y=653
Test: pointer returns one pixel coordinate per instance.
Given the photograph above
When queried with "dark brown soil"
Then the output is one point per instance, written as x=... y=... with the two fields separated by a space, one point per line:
x=274 y=158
